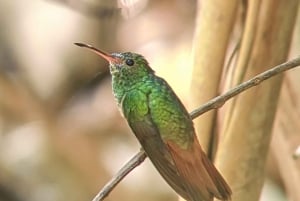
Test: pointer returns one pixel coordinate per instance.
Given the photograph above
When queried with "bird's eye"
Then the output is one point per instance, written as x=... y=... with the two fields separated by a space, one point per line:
x=129 y=62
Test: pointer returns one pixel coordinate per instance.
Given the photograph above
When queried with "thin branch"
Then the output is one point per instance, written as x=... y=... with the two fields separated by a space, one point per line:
x=214 y=103
x=135 y=161
x=219 y=101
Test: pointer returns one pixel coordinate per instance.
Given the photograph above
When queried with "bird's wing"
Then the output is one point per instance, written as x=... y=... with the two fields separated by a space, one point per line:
x=159 y=155
x=135 y=109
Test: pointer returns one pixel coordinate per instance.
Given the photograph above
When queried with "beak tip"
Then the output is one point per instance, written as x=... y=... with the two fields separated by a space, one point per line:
x=105 y=55
x=78 y=44
x=82 y=45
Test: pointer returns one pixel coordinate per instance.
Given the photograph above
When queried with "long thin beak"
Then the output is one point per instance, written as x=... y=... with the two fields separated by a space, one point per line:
x=106 y=56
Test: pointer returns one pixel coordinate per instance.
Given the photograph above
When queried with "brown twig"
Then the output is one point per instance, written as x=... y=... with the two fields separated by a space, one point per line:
x=214 y=103
x=135 y=161
x=219 y=101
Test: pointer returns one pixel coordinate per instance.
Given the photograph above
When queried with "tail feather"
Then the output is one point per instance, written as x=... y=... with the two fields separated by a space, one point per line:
x=201 y=179
x=223 y=188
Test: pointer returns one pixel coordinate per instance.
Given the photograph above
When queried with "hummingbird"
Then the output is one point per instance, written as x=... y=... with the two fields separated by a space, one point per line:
x=163 y=127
